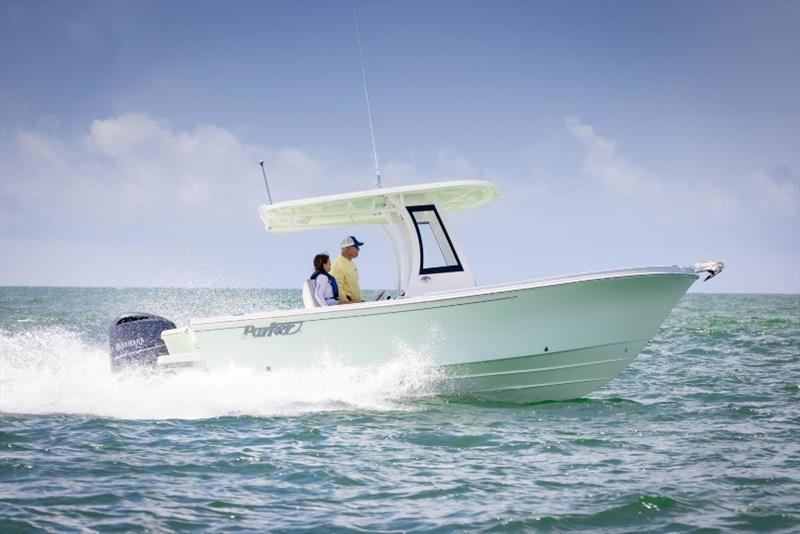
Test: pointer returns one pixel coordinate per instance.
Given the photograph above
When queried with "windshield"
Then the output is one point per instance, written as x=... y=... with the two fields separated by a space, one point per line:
x=436 y=250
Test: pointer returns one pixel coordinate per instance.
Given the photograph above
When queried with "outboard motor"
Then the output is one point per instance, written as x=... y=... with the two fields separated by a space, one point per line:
x=134 y=340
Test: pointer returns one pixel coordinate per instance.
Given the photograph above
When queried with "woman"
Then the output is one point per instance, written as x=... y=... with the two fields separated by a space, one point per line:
x=326 y=288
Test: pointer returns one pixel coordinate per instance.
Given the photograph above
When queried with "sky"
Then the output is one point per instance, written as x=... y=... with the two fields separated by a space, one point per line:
x=619 y=134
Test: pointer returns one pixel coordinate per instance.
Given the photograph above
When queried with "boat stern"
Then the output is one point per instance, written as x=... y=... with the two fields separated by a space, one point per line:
x=183 y=348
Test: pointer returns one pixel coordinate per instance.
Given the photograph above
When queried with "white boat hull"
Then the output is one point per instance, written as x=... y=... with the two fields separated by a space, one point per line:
x=526 y=342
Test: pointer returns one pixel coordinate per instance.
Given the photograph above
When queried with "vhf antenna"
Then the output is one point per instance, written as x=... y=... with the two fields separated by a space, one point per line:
x=269 y=196
x=369 y=108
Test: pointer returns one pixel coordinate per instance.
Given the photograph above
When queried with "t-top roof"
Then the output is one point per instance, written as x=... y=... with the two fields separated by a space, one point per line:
x=373 y=206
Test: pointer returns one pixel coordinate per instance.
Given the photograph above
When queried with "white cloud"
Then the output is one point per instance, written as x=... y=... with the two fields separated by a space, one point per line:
x=601 y=160
x=667 y=201
x=133 y=170
x=778 y=194
x=133 y=166
x=131 y=135
x=293 y=173
x=43 y=151
x=699 y=199
x=134 y=201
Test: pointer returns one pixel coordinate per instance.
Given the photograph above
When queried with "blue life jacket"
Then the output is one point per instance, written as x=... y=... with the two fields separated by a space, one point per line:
x=334 y=285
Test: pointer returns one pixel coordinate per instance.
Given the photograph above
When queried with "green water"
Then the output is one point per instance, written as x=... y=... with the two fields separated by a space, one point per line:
x=702 y=431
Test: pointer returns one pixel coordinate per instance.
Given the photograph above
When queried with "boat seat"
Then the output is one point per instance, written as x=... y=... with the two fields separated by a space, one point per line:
x=309 y=296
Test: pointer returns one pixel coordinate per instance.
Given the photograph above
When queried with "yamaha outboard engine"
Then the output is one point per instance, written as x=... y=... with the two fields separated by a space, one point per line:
x=134 y=340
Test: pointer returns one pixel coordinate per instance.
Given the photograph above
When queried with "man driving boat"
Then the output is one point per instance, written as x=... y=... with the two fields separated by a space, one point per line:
x=345 y=272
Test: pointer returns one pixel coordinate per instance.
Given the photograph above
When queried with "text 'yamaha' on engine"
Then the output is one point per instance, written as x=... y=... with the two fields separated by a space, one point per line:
x=134 y=340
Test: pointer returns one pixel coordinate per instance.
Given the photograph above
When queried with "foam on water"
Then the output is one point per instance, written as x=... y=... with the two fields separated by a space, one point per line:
x=56 y=371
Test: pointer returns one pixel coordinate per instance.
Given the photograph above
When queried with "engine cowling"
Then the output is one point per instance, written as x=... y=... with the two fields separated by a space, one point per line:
x=134 y=340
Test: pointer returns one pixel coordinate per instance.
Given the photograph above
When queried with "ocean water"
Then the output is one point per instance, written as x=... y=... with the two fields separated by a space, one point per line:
x=701 y=432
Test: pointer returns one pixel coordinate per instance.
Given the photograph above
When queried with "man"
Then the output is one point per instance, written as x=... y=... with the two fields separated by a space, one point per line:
x=345 y=272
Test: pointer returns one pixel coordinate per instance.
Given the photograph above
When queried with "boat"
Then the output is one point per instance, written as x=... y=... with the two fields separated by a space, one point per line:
x=545 y=339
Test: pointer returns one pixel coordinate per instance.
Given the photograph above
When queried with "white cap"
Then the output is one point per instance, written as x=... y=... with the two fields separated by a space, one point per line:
x=351 y=241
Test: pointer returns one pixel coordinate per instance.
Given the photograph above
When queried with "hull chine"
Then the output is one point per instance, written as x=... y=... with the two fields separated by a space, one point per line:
x=550 y=376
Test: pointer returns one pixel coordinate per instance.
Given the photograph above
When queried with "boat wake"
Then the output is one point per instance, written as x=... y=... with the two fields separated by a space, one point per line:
x=56 y=371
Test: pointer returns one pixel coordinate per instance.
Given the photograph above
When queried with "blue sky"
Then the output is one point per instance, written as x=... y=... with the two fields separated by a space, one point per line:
x=620 y=134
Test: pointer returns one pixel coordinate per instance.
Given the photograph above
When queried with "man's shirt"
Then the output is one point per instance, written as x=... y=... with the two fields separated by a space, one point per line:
x=346 y=275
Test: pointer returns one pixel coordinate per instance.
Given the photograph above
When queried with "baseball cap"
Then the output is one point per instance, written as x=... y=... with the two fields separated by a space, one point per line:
x=351 y=241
